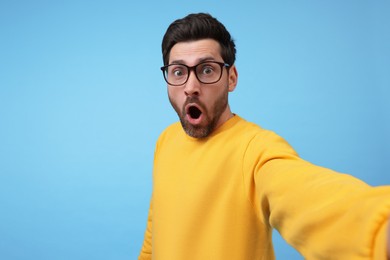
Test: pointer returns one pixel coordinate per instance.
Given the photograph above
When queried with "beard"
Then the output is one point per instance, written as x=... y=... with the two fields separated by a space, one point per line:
x=211 y=117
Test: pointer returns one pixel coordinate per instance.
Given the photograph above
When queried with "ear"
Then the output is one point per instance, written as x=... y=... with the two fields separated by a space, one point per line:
x=233 y=77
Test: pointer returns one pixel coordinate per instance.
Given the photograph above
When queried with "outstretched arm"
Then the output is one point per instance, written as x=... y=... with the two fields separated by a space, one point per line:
x=322 y=213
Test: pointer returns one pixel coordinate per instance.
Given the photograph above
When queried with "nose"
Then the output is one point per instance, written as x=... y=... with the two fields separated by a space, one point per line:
x=192 y=86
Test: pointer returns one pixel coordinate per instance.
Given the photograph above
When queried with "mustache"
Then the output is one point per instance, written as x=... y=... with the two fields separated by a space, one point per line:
x=193 y=100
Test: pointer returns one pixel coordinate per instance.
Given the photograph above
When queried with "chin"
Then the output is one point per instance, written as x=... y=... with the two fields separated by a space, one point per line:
x=195 y=131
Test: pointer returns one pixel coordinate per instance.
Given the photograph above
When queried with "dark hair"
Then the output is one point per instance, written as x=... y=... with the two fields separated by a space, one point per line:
x=197 y=27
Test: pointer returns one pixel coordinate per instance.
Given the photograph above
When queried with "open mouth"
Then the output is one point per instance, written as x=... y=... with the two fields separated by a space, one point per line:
x=194 y=112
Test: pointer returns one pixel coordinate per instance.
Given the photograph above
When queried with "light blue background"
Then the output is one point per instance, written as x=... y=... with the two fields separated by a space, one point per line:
x=82 y=102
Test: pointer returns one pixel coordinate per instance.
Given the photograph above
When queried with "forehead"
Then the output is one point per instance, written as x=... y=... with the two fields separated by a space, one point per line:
x=192 y=52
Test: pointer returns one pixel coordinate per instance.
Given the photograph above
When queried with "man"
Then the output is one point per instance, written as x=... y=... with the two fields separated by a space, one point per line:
x=221 y=184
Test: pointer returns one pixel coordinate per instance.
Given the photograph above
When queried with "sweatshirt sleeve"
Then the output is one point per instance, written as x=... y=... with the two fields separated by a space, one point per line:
x=321 y=213
x=146 y=250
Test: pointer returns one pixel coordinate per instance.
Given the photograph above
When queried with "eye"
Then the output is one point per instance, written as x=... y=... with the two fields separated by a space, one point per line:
x=177 y=71
x=207 y=69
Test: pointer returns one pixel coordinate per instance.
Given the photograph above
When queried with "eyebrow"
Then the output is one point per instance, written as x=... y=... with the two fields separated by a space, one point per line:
x=208 y=58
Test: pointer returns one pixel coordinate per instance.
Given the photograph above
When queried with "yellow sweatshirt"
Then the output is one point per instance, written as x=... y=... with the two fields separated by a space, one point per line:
x=218 y=198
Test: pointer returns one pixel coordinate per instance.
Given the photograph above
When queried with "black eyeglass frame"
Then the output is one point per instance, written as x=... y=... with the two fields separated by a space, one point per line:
x=193 y=68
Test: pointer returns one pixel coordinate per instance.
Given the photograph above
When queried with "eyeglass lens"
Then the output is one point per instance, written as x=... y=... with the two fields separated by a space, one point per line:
x=206 y=72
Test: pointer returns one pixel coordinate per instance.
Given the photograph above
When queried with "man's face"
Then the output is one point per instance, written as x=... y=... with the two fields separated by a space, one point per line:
x=201 y=107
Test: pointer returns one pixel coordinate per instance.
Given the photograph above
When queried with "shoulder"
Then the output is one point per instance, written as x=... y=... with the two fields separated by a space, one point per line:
x=172 y=130
x=253 y=131
x=260 y=139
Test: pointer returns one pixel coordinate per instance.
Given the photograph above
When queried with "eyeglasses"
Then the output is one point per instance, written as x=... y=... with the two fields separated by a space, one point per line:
x=206 y=72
